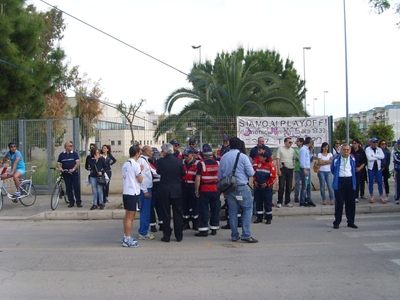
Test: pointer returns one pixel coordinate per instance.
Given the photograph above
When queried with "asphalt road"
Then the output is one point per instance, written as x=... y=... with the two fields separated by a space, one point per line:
x=299 y=257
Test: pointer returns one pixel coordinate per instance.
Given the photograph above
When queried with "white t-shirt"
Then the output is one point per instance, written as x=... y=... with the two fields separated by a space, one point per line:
x=325 y=168
x=130 y=170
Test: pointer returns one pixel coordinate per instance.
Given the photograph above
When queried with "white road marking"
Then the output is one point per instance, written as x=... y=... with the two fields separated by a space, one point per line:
x=396 y=261
x=357 y=233
x=384 y=246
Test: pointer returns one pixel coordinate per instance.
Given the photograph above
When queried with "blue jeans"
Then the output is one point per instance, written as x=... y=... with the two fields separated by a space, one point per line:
x=97 y=191
x=297 y=184
x=145 y=206
x=377 y=175
x=305 y=189
x=247 y=211
x=325 y=176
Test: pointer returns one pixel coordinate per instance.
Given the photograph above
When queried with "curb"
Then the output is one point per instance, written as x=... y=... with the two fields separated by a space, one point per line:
x=118 y=214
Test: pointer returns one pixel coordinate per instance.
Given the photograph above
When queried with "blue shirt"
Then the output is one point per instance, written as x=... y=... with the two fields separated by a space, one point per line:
x=13 y=157
x=304 y=157
x=68 y=160
x=244 y=169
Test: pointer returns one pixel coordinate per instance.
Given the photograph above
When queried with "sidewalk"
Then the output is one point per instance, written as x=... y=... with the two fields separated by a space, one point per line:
x=41 y=209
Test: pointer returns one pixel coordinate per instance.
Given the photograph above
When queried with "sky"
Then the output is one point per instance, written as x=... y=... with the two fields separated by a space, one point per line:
x=167 y=29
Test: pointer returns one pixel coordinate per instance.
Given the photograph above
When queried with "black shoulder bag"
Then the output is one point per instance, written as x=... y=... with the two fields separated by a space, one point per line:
x=228 y=183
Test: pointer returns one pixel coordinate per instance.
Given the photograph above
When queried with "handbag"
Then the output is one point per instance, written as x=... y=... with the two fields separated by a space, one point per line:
x=316 y=167
x=228 y=183
x=102 y=179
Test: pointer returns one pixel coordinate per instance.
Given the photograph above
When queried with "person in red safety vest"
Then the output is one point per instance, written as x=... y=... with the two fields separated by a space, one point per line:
x=264 y=179
x=176 y=145
x=207 y=192
x=155 y=204
x=190 y=203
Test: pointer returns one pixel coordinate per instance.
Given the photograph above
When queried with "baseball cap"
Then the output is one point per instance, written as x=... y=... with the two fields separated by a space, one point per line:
x=225 y=137
x=174 y=142
x=156 y=153
x=195 y=150
x=207 y=148
x=398 y=141
x=374 y=139
x=188 y=151
x=192 y=140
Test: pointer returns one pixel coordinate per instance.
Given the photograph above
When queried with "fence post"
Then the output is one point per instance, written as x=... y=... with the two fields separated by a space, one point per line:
x=77 y=144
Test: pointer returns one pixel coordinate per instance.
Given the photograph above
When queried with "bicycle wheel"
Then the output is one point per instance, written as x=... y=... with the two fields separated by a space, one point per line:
x=1 y=200
x=28 y=194
x=63 y=194
x=55 y=196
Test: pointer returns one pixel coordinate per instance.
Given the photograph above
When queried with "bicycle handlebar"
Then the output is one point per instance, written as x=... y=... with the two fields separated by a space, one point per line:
x=55 y=169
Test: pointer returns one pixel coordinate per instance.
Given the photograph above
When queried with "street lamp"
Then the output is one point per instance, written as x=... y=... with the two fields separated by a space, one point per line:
x=198 y=47
x=304 y=69
x=347 y=83
x=324 y=101
x=315 y=99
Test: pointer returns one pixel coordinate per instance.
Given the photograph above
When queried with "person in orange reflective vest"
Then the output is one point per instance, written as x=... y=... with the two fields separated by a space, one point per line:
x=264 y=179
x=206 y=190
x=190 y=203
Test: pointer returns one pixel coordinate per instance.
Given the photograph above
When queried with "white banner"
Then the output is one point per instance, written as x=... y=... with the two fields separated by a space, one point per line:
x=276 y=129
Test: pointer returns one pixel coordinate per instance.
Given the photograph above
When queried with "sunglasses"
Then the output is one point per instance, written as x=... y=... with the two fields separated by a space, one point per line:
x=192 y=144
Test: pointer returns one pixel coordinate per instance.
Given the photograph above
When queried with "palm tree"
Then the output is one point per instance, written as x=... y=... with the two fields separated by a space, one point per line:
x=229 y=88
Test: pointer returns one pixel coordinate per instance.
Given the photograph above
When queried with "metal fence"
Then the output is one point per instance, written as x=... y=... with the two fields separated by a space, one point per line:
x=40 y=142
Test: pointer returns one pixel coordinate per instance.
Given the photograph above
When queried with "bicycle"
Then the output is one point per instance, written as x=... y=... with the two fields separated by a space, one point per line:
x=28 y=191
x=58 y=191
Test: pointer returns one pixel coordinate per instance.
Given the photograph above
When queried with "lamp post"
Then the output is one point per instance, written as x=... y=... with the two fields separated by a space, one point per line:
x=347 y=84
x=198 y=47
x=304 y=76
x=315 y=99
x=324 y=101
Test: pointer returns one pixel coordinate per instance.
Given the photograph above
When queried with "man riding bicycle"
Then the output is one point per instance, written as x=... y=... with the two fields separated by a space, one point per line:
x=17 y=167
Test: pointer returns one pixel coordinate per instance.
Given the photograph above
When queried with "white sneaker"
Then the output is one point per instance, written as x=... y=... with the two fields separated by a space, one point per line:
x=288 y=205
x=386 y=199
x=129 y=242
x=278 y=205
x=145 y=237
x=397 y=201
x=357 y=201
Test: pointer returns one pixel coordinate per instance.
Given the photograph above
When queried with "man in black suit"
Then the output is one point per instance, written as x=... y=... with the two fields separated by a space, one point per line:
x=169 y=192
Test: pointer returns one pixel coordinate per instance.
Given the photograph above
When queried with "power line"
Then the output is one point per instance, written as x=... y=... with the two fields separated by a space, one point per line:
x=156 y=59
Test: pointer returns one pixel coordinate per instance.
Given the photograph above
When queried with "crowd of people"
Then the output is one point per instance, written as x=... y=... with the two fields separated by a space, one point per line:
x=188 y=181
x=154 y=182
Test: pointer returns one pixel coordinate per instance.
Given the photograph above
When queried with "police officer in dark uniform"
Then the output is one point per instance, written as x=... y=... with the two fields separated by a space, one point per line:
x=68 y=160
x=176 y=145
